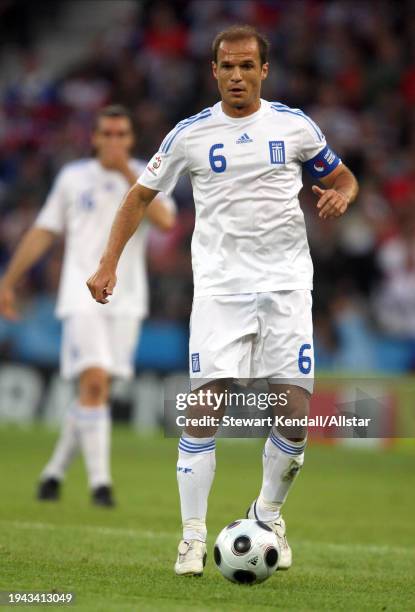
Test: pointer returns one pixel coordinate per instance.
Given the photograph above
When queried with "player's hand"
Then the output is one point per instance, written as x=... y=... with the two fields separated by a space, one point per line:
x=102 y=283
x=331 y=203
x=8 y=308
x=117 y=160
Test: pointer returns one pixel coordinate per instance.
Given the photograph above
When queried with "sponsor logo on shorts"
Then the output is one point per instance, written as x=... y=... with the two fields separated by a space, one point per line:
x=195 y=362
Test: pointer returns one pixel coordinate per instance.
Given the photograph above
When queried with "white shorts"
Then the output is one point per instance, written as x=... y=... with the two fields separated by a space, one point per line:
x=102 y=341
x=253 y=336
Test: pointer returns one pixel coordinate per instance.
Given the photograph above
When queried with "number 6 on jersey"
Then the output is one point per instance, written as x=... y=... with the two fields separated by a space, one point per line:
x=217 y=162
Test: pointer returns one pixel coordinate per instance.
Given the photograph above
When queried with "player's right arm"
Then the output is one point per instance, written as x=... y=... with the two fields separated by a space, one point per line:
x=128 y=218
x=34 y=244
x=161 y=174
x=30 y=250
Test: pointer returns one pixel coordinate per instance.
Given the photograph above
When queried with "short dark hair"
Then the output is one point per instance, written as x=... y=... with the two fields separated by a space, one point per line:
x=114 y=110
x=239 y=32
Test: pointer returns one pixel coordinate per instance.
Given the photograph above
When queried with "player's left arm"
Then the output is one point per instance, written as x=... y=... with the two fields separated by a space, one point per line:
x=341 y=189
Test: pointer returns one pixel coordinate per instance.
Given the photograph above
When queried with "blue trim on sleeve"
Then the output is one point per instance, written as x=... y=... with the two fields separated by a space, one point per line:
x=167 y=142
x=322 y=164
x=282 y=108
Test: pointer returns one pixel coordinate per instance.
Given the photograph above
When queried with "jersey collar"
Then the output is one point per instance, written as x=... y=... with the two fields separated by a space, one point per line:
x=240 y=120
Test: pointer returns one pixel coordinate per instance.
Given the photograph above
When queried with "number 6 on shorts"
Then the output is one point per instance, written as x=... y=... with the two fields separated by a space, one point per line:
x=304 y=361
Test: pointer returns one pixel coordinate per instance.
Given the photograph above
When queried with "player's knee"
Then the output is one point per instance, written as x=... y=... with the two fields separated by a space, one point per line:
x=94 y=387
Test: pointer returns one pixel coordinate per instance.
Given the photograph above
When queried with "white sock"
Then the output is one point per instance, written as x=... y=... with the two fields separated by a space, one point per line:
x=65 y=448
x=282 y=460
x=195 y=471
x=94 y=427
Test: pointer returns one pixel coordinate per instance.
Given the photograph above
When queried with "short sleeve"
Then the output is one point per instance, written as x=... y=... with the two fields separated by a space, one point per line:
x=52 y=215
x=167 y=165
x=315 y=155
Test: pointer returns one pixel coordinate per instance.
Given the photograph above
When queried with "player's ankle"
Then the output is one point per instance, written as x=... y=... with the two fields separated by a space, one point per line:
x=194 y=529
x=267 y=511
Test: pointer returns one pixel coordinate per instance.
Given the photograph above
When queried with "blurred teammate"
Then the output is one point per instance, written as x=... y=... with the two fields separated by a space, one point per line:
x=97 y=343
x=251 y=314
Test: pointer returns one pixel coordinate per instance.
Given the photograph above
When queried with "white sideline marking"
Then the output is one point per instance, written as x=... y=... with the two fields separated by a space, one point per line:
x=382 y=549
x=138 y=533
x=108 y=531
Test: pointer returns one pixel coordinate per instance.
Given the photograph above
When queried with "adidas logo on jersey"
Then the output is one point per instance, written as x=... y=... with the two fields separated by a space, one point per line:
x=244 y=138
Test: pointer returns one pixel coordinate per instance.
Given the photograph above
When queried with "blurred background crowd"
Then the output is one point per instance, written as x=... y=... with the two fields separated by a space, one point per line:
x=350 y=65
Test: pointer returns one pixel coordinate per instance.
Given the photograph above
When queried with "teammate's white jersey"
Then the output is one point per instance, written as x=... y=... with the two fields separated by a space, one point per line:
x=249 y=233
x=82 y=205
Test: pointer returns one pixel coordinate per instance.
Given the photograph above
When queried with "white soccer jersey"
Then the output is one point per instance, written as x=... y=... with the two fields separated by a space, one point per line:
x=82 y=204
x=246 y=175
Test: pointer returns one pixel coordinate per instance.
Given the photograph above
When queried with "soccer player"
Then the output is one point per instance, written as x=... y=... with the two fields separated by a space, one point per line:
x=251 y=315
x=97 y=343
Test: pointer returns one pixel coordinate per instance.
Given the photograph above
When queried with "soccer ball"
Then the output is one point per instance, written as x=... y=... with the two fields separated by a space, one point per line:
x=246 y=551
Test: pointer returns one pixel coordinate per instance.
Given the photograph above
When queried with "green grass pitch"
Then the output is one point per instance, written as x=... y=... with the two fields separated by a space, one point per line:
x=350 y=520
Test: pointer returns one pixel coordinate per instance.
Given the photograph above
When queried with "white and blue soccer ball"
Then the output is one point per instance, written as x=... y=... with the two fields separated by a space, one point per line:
x=246 y=551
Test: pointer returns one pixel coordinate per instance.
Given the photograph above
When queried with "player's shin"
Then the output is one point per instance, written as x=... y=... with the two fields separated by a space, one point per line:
x=195 y=472
x=94 y=427
x=282 y=460
x=65 y=449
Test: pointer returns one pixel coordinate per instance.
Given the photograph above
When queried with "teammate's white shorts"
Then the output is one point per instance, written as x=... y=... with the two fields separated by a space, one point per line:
x=253 y=336
x=102 y=341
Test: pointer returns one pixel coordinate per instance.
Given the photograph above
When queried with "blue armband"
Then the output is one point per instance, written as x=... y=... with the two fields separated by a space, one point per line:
x=322 y=164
